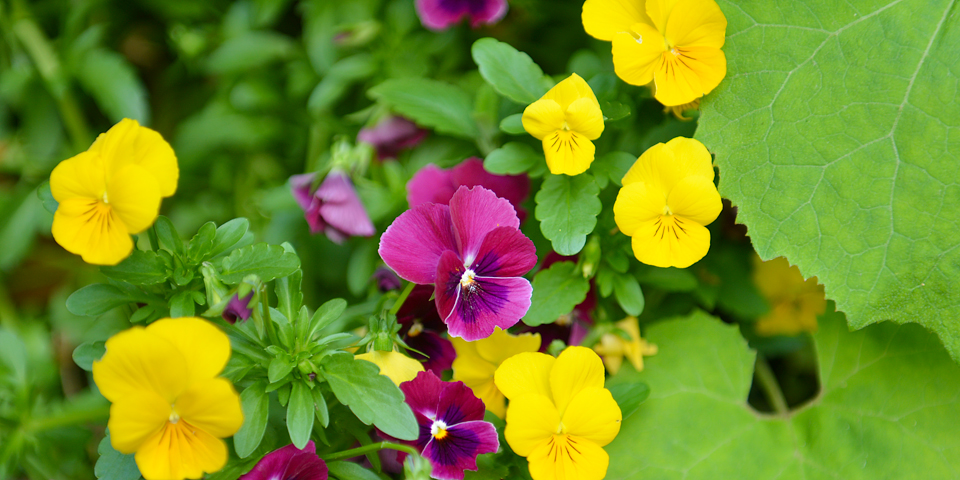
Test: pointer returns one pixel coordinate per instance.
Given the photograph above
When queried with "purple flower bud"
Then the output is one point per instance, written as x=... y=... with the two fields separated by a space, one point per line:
x=386 y=279
x=442 y=14
x=290 y=463
x=392 y=135
x=334 y=208
x=237 y=309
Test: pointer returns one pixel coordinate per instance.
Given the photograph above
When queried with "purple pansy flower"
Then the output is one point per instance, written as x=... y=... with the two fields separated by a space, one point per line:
x=290 y=463
x=391 y=135
x=422 y=329
x=474 y=253
x=442 y=14
x=333 y=208
x=386 y=279
x=452 y=430
x=237 y=309
x=436 y=185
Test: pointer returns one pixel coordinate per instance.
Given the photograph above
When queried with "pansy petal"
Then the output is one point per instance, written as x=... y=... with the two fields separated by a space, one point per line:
x=458 y=451
x=431 y=184
x=471 y=173
x=469 y=367
x=636 y=204
x=440 y=14
x=458 y=404
x=211 y=405
x=180 y=451
x=695 y=198
x=585 y=117
x=525 y=373
x=567 y=457
x=666 y=164
x=487 y=12
x=691 y=74
x=594 y=415
x=423 y=393
x=570 y=90
x=300 y=186
x=659 y=11
x=701 y=25
x=81 y=176
x=505 y=252
x=139 y=361
x=576 y=368
x=205 y=347
x=135 y=197
x=127 y=142
x=278 y=462
x=670 y=241
x=487 y=303
x=439 y=352
x=394 y=365
x=307 y=466
x=543 y=117
x=341 y=207
x=637 y=54
x=136 y=418
x=531 y=420
x=602 y=19
x=475 y=212
x=568 y=152
x=502 y=345
x=91 y=229
x=412 y=245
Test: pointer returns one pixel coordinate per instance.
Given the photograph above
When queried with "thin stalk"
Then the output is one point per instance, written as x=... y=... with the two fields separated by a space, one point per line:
x=770 y=386
x=403 y=297
x=373 y=447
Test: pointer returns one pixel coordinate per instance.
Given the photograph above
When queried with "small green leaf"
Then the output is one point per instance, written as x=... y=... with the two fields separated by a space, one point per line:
x=140 y=268
x=556 y=291
x=628 y=293
x=513 y=124
x=289 y=294
x=511 y=72
x=613 y=110
x=250 y=50
x=372 y=397
x=320 y=404
x=300 y=414
x=325 y=315
x=512 y=159
x=441 y=106
x=267 y=261
x=350 y=471
x=113 y=465
x=567 y=208
x=167 y=234
x=629 y=396
x=202 y=242
x=228 y=235
x=255 y=403
x=280 y=367
x=96 y=299
x=88 y=352
x=612 y=167
x=182 y=305
x=46 y=197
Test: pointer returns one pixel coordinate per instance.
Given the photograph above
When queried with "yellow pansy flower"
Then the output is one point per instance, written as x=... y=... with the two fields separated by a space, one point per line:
x=673 y=43
x=477 y=362
x=613 y=348
x=795 y=303
x=566 y=119
x=668 y=198
x=111 y=191
x=394 y=365
x=169 y=406
x=560 y=417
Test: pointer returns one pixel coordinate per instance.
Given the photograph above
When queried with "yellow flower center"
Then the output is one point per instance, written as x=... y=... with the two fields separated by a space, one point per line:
x=415 y=329
x=666 y=210
x=467 y=279
x=439 y=430
x=105 y=199
x=174 y=416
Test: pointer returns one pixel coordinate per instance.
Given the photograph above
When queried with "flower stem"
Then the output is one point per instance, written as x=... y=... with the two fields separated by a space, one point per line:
x=403 y=297
x=770 y=386
x=373 y=447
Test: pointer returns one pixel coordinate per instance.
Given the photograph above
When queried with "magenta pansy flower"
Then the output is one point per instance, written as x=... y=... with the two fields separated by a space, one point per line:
x=474 y=254
x=422 y=329
x=452 y=430
x=238 y=309
x=442 y=14
x=433 y=184
x=334 y=208
x=290 y=463
x=392 y=135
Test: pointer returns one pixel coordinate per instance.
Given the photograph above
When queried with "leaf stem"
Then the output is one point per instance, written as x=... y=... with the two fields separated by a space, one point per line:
x=403 y=297
x=373 y=447
x=770 y=386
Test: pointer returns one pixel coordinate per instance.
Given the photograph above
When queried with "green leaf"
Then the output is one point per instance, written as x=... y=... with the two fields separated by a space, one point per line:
x=628 y=293
x=512 y=159
x=88 y=352
x=513 y=125
x=567 y=208
x=320 y=404
x=167 y=234
x=350 y=471
x=202 y=242
x=50 y=204
x=510 y=72
x=280 y=366
x=182 y=305
x=300 y=414
x=441 y=106
x=612 y=167
x=255 y=403
x=114 y=84
x=252 y=49
x=845 y=162
x=556 y=291
x=289 y=293
x=228 y=235
x=877 y=416
x=140 y=268
x=325 y=315
x=372 y=397
x=96 y=299
x=629 y=396
x=262 y=259
x=113 y=465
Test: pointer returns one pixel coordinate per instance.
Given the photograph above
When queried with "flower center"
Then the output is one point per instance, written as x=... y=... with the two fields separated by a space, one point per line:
x=174 y=416
x=566 y=126
x=466 y=280
x=415 y=329
x=675 y=52
x=667 y=211
x=439 y=429
x=105 y=199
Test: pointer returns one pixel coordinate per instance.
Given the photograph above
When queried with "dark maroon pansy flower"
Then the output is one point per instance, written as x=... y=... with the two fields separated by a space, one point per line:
x=386 y=279
x=237 y=309
x=435 y=185
x=442 y=14
x=392 y=135
x=334 y=208
x=422 y=329
x=452 y=430
x=290 y=463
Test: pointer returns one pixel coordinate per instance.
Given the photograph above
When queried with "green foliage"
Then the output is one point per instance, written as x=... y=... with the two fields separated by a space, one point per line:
x=96 y=299
x=567 y=208
x=510 y=72
x=266 y=261
x=515 y=158
x=87 y=353
x=300 y=414
x=114 y=84
x=350 y=471
x=833 y=140
x=556 y=291
x=140 y=268
x=255 y=403
x=443 y=107
x=113 y=465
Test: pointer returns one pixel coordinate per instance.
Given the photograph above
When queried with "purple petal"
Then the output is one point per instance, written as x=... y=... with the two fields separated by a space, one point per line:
x=419 y=306
x=300 y=187
x=306 y=466
x=487 y=11
x=458 y=404
x=439 y=351
x=423 y=393
x=386 y=280
x=441 y=14
x=458 y=451
x=471 y=173
x=505 y=252
x=472 y=312
x=341 y=207
x=237 y=309
x=412 y=245
x=475 y=212
x=431 y=184
x=391 y=135
x=289 y=463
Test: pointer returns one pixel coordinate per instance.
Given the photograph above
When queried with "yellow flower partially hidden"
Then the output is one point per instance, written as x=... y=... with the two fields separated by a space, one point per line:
x=560 y=417
x=613 y=348
x=477 y=362
x=394 y=365
x=673 y=43
x=170 y=407
x=795 y=303
x=111 y=191
x=668 y=198
x=566 y=119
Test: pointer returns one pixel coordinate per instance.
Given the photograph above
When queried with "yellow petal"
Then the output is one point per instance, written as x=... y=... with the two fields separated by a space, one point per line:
x=81 y=176
x=593 y=415
x=611 y=348
x=90 y=228
x=664 y=165
x=180 y=451
x=636 y=204
x=135 y=418
x=695 y=198
x=469 y=367
x=201 y=343
x=135 y=197
x=567 y=457
x=543 y=117
x=633 y=349
x=637 y=54
x=660 y=10
x=585 y=117
x=493 y=400
x=501 y=345
x=568 y=152
x=127 y=142
x=531 y=421
x=570 y=90
x=137 y=361
x=576 y=368
x=212 y=406
x=688 y=73
x=702 y=24
x=602 y=19
x=671 y=241
x=396 y=366
x=525 y=373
